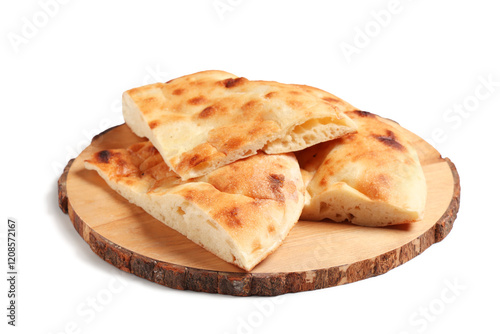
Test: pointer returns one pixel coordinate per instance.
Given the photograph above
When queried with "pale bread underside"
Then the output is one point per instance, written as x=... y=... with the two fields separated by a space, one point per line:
x=240 y=212
x=371 y=178
x=206 y=120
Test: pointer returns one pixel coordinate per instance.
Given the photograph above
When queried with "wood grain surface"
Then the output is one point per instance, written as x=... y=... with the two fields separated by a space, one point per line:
x=315 y=255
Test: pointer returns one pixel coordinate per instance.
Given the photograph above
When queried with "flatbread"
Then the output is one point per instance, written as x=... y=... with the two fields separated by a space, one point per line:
x=371 y=178
x=240 y=212
x=206 y=120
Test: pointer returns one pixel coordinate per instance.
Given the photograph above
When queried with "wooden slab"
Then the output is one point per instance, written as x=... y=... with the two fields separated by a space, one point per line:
x=315 y=255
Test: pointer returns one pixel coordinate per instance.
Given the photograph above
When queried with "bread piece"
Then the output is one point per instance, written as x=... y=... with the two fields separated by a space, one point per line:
x=206 y=120
x=371 y=178
x=240 y=212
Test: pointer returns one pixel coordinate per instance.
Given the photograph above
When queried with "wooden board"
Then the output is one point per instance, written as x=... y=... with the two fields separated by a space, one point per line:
x=315 y=255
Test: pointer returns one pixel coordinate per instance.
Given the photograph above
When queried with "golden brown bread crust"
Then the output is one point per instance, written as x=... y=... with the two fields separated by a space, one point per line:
x=205 y=120
x=375 y=170
x=256 y=201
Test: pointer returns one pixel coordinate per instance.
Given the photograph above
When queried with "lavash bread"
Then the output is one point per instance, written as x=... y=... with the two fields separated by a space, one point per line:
x=240 y=212
x=203 y=121
x=371 y=178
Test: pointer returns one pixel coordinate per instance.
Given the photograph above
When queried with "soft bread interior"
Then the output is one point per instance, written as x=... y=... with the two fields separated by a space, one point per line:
x=135 y=118
x=344 y=203
x=309 y=133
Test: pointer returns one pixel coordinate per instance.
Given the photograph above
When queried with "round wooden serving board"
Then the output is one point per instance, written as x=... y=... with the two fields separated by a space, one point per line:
x=315 y=255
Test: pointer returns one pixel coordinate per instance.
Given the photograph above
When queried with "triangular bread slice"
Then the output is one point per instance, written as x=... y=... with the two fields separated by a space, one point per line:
x=240 y=212
x=371 y=178
x=205 y=120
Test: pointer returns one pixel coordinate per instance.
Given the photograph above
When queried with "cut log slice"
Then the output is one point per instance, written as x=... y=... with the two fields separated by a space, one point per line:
x=315 y=255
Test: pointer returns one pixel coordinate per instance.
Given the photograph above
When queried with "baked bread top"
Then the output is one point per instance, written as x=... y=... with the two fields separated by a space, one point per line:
x=372 y=177
x=240 y=212
x=205 y=120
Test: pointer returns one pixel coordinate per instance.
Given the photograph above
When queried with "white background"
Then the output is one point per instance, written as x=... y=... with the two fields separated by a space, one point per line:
x=61 y=83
